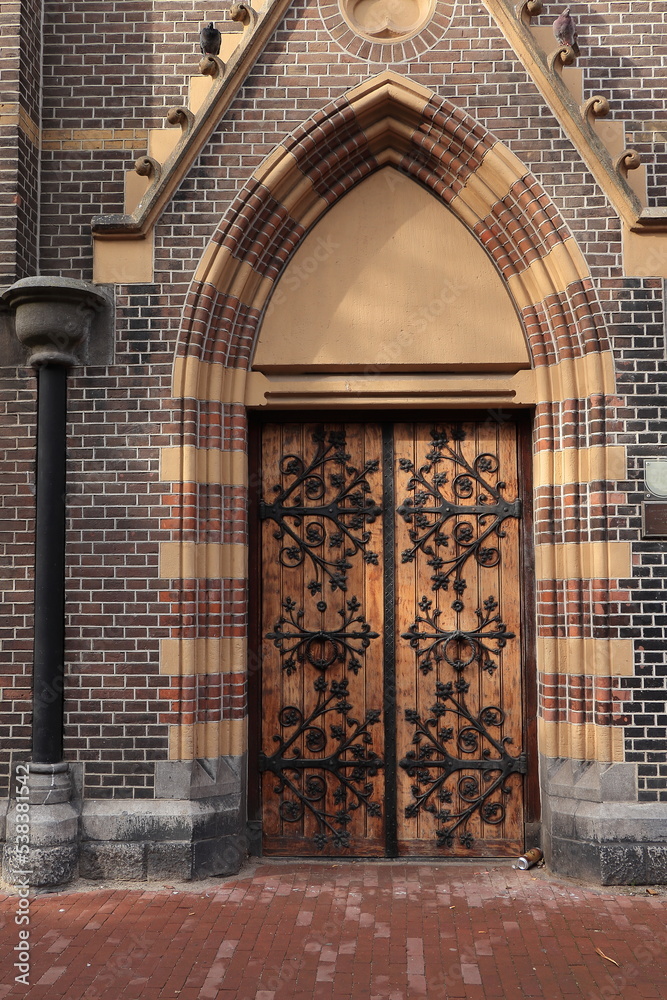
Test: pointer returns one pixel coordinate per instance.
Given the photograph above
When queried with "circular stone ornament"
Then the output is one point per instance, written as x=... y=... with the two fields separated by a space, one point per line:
x=387 y=31
x=387 y=20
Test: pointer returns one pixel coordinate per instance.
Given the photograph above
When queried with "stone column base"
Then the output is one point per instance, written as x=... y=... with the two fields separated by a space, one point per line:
x=592 y=828
x=194 y=828
x=43 y=805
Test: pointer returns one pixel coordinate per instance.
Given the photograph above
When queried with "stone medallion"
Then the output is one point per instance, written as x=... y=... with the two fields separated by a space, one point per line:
x=387 y=31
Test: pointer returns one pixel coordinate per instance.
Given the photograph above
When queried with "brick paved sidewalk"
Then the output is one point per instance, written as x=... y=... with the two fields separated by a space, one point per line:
x=363 y=930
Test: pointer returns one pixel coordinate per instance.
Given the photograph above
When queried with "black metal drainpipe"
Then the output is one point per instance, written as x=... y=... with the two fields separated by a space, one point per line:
x=52 y=319
x=49 y=648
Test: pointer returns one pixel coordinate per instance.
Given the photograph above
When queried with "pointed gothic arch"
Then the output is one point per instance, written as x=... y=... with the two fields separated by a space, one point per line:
x=388 y=120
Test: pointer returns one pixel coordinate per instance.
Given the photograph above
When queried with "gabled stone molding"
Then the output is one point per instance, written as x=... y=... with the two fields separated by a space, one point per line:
x=577 y=120
x=123 y=243
x=196 y=129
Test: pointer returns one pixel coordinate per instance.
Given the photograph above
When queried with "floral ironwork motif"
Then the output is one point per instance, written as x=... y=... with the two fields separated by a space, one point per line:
x=458 y=647
x=350 y=762
x=428 y=510
x=322 y=647
x=307 y=520
x=432 y=764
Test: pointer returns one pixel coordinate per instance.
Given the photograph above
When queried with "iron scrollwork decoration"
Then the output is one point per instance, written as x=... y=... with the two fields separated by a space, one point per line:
x=321 y=647
x=428 y=510
x=350 y=762
x=432 y=764
x=307 y=520
x=478 y=508
x=458 y=647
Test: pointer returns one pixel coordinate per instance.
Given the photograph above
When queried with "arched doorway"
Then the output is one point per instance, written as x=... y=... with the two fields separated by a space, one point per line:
x=387 y=121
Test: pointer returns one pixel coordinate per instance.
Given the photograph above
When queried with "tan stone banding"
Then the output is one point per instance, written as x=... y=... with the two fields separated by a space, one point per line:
x=226 y=738
x=403 y=99
x=583 y=561
x=491 y=182
x=584 y=741
x=560 y=267
x=579 y=655
x=203 y=465
x=204 y=560
x=239 y=279
x=194 y=379
x=300 y=199
x=203 y=655
x=579 y=465
x=13 y=114
x=95 y=138
x=577 y=378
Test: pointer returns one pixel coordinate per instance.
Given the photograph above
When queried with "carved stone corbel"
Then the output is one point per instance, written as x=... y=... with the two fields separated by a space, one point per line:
x=595 y=107
x=628 y=160
x=564 y=55
x=212 y=66
x=528 y=9
x=243 y=13
x=183 y=117
x=148 y=166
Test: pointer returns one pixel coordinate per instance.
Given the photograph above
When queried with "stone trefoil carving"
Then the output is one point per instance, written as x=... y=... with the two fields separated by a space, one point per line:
x=387 y=20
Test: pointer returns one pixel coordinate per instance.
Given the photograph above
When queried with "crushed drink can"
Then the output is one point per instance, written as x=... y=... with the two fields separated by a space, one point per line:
x=529 y=859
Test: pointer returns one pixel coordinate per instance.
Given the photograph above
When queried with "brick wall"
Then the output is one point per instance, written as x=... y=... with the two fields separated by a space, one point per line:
x=637 y=326
x=20 y=81
x=17 y=443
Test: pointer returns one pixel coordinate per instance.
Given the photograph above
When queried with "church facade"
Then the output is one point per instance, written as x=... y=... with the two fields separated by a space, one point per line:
x=357 y=328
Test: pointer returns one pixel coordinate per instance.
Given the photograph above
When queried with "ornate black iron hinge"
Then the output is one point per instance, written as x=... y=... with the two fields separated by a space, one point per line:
x=321 y=647
x=433 y=764
x=428 y=510
x=350 y=764
x=307 y=521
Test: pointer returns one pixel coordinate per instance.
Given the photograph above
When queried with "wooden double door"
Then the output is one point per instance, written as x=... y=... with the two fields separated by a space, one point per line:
x=390 y=707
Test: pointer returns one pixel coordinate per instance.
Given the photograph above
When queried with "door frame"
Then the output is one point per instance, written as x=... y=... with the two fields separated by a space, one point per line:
x=522 y=417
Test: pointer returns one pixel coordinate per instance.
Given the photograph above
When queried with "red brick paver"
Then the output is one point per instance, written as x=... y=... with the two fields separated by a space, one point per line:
x=333 y=931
